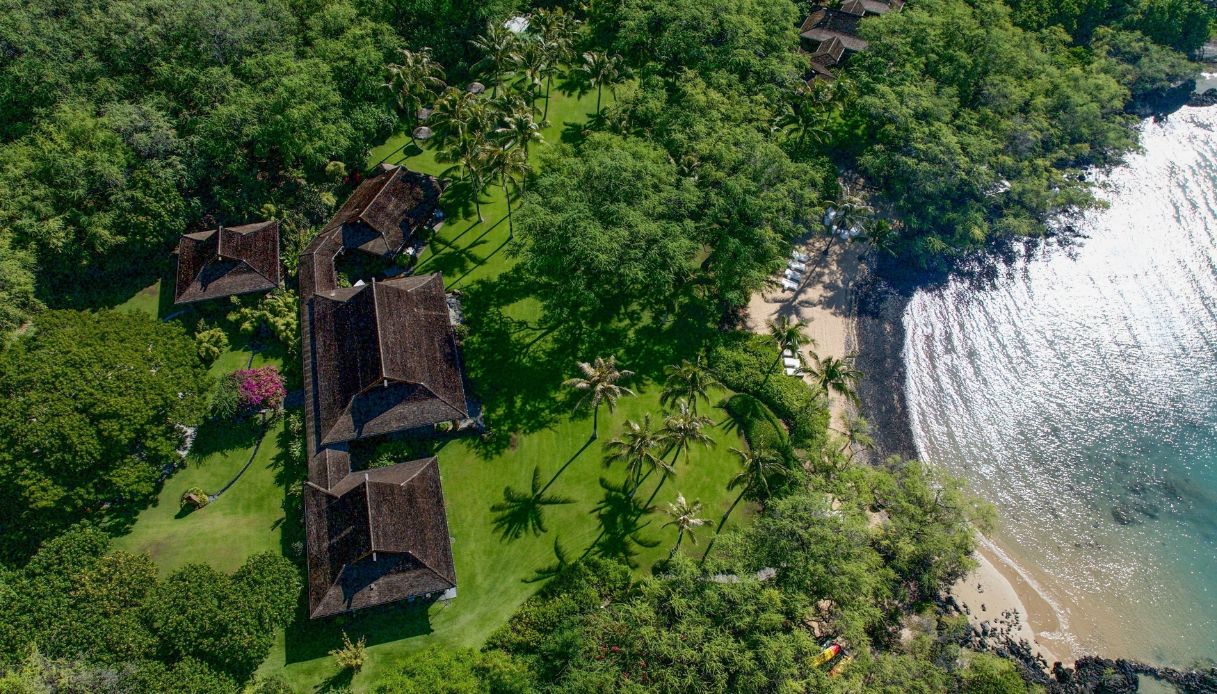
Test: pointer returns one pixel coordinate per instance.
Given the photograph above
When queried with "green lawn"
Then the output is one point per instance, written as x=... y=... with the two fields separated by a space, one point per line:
x=516 y=367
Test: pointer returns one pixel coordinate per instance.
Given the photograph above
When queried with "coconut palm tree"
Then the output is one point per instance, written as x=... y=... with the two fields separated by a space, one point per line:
x=473 y=155
x=850 y=211
x=458 y=114
x=756 y=469
x=839 y=376
x=801 y=119
x=599 y=386
x=857 y=435
x=688 y=380
x=532 y=63
x=519 y=129
x=415 y=81
x=601 y=68
x=496 y=45
x=512 y=167
x=638 y=450
x=787 y=335
x=684 y=516
x=521 y=512
x=683 y=428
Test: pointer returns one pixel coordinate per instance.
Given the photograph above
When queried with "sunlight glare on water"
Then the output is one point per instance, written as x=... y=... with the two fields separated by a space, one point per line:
x=1079 y=395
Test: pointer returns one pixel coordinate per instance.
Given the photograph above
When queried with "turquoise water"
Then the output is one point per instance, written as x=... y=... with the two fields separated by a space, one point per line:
x=1079 y=395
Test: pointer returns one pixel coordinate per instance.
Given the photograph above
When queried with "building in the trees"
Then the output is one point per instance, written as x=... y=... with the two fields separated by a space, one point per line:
x=379 y=358
x=227 y=261
x=830 y=36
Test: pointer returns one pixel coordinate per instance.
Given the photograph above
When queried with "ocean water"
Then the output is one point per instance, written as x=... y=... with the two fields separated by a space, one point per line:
x=1078 y=394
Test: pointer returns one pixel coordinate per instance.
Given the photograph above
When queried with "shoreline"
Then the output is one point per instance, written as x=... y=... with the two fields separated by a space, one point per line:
x=997 y=584
x=824 y=301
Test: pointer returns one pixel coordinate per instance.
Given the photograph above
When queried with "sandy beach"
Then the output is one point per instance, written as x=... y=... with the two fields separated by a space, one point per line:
x=998 y=594
x=824 y=301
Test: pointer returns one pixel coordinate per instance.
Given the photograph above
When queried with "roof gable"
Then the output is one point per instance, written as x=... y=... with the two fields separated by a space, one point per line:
x=385 y=209
x=227 y=261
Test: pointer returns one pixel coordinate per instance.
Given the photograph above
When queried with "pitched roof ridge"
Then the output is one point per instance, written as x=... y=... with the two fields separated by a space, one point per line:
x=360 y=217
x=380 y=344
x=432 y=569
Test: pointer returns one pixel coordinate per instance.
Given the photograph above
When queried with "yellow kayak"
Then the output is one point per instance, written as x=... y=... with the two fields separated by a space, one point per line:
x=840 y=666
x=827 y=655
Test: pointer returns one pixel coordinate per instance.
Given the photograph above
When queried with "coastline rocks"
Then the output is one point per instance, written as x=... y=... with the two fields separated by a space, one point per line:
x=1208 y=98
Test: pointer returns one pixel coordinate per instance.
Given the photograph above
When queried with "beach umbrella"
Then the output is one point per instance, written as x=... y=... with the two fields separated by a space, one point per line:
x=422 y=132
x=423 y=114
x=477 y=88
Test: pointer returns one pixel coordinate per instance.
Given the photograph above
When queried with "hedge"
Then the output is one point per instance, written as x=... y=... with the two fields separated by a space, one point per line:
x=745 y=363
x=760 y=426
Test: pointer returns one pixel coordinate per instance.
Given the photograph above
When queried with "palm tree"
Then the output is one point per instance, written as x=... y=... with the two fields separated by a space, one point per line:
x=756 y=469
x=851 y=211
x=637 y=448
x=601 y=68
x=684 y=428
x=511 y=165
x=496 y=45
x=599 y=385
x=557 y=36
x=857 y=435
x=801 y=119
x=524 y=511
x=787 y=335
x=533 y=64
x=415 y=81
x=839 y=376
x=520 y=129
x=688 y=380
x=459 y=113
x=685 y=517
x=472 y=154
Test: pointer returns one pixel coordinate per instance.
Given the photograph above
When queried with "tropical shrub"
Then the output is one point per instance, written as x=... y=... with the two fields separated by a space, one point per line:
x=351 y=655
x=260 y=388
x=210 y=343
x=196 y=497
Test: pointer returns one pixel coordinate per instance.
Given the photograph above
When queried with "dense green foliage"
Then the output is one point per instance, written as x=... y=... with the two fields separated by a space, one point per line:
x=987 y=135
x=81 y=602
x=745 y=363
x=89 y=419
x=1180 y=24
x=608 y=227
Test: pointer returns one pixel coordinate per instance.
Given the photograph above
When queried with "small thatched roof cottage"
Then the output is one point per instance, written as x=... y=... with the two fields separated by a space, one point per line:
x=227 y=261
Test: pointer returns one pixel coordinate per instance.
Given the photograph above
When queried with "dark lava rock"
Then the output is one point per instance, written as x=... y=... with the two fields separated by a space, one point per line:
x=1208 y=98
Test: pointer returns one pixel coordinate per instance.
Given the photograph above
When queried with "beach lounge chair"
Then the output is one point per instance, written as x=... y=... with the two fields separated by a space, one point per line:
x=797 y=266
x=791 y=362
x=787 y=353
x=789 y=285
x=800 y=256
x=792 y=275
x=794 y=372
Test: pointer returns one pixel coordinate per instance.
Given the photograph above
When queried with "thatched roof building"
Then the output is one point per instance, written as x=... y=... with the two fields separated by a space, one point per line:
x=227 y=261
x=384 y=359
x=378 y=358
x=385 y=210
x=377 y=536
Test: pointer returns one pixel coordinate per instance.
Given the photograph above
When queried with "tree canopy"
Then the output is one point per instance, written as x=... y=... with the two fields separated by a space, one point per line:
x=90 y=417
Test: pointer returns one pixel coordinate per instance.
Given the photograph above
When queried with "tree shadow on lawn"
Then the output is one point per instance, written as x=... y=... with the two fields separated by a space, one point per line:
x=309 y=639
x=216 y=437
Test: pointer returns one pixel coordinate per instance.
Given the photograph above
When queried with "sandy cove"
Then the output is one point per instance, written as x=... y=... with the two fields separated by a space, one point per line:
x=825 y=301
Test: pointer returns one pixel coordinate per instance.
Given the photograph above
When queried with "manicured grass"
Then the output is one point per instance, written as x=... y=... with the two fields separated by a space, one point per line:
x=535 y=429
x=516 y=368
x=247 y=519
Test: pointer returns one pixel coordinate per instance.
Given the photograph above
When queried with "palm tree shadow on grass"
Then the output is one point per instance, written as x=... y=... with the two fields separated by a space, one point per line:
x=524 y=512
x=620 y=516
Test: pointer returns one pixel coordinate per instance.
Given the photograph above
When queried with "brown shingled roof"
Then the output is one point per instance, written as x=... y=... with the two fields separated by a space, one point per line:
x=377 y=536
x=385 y=359
x=824 y=24
x=227 y=261
x=385 y=210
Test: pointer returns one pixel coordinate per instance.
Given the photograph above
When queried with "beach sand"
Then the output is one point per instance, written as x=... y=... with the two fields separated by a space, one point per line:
x=824 y=301
x=996 y=590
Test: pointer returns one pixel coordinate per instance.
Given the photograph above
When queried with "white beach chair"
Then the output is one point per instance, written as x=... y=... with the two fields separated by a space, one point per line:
x=789 y=285
x=794 y=372
x=791 y=362
x=800 y=256
x=787 y=353
x=797 y=266
x=792 y=275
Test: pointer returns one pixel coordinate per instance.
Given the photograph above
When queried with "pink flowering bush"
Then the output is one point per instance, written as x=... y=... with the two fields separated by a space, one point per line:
x=260 y=388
